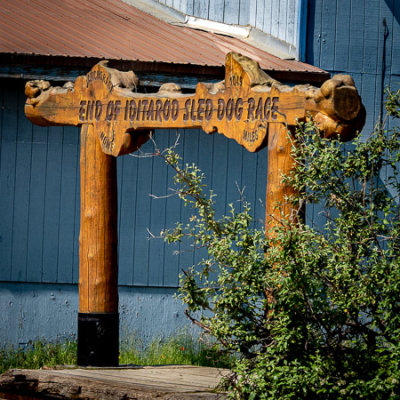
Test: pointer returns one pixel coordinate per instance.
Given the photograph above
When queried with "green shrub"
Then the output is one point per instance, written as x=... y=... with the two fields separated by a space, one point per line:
x=312 y=312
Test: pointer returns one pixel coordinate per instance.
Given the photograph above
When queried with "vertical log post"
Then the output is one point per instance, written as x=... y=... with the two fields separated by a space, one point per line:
x=98 y=320
x=280 y=162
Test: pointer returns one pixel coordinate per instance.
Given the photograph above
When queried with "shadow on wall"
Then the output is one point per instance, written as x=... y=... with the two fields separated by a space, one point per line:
x=394 y=7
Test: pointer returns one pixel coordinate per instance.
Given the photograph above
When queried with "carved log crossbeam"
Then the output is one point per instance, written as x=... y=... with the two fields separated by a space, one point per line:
x=241 y=107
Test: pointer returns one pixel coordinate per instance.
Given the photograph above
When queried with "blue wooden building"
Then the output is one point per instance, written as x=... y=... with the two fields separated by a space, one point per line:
x=39 y=167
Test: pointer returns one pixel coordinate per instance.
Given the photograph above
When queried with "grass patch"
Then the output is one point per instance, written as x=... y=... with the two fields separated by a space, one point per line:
x=38 y=354
x=181 y=350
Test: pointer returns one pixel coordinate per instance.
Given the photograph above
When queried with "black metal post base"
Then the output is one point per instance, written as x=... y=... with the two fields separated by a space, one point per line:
x=98 y=339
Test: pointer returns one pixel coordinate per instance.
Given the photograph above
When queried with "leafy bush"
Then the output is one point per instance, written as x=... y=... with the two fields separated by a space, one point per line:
x=312 y=312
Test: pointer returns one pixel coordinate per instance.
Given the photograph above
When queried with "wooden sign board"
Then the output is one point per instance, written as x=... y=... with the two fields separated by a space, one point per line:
x=241 y=109
x=248 y=106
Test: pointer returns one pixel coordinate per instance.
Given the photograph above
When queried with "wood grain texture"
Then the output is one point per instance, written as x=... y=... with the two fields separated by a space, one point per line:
x=7 y=177
x=98 y=262
x=164 y=382
x=280 y=162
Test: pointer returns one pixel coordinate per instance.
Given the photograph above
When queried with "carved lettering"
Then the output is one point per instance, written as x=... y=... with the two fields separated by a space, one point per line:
x=250 y=136
x=132 y=110
x=167 y=110
x=236 y=80
x=229 y=109
x=145 y=102
x=175 y=110
x=110 y=110
x=107 y=142
x=192 y=111
x=274 y=108
x=259 y=110
x=187 y=110
x=200 y=109
x=100 y=76
x=117 y=109
x=250 y=111
x=209 y=109
x=267 y=108
x=158 y=110
x=82 y=110
x=150 y=111
x=239 y=109
x=221 y=109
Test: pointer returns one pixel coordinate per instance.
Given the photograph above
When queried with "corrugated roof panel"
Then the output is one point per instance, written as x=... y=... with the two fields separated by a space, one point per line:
x=115 y=30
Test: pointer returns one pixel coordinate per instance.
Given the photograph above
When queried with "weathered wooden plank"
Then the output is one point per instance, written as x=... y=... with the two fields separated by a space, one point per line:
x=189 y=7
x=8 y=121
x=176 y=382
x=180 y=5
x=52 y=200
x=282 y=28
x=291 y=22
x=142 y=220
x=328 y=28
x=37 y=204
x=371 y=37
x=69 y=163
x=356 y=35
x=218 y=178
x=259 y=23
x=157 y=214
x=190 y=151
x=234 y=176
x=343 y=23
x=172 y=204
x=368 y=91
x=21 y=200
x=216 y=10
x=200 y=8
x=252 y=12
x=386 y=37
x=127 y=215
x=267 y=19
x=231 y=15
x=77 y=217
x=245 y=10
x=205 y=155
x=395 y=64
x=314 y=32
x=275 y=22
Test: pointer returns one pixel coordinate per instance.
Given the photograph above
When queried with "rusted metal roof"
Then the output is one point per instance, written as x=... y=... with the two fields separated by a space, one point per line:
x=115 y=30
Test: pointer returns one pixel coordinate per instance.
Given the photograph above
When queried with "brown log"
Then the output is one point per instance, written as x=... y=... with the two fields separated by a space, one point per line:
x=280 y=162
x=98 y=262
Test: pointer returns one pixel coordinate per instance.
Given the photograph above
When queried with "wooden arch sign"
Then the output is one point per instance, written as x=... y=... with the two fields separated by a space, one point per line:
x=248 y=106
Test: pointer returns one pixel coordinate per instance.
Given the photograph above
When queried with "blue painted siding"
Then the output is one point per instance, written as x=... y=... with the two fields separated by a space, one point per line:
x=40 y=311
x=276 y=17
x=39 y=195
x=349 y=36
